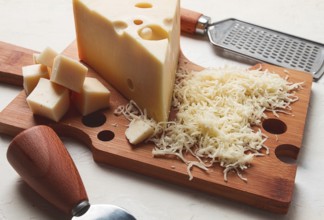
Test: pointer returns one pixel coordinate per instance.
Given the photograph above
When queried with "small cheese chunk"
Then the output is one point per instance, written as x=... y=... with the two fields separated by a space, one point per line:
x=32 y=74
x=93 y=96
x=68 y=72
x=49 y=100
x=46 y=57
x=134 y=46
x=138 y=131
x=35 y=55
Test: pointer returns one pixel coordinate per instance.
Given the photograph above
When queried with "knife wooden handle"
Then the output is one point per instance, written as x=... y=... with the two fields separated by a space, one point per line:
x=40 y=158
x=193 y=22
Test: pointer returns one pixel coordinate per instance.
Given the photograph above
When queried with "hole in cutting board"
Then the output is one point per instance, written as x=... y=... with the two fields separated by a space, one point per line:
x=274 y=126
x=287 y=153
x=95 y=119
x=106 y=135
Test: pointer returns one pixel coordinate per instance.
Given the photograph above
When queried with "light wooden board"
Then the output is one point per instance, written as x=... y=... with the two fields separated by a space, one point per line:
x=270 y=182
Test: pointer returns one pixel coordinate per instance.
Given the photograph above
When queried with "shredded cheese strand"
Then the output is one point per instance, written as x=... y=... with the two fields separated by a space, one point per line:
x=216 y=112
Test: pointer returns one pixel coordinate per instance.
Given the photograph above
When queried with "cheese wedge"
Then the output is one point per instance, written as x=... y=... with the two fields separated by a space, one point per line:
x=49 y=100
x=32 y=74
x=93 y=96
x=134 y=46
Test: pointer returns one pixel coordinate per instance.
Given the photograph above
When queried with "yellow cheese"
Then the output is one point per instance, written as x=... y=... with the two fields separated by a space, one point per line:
x=138 y=131
x=68 y=73
x=134 y=46
x=49 y=100
x=32 y=74
x=94 y=96
x=46 y=57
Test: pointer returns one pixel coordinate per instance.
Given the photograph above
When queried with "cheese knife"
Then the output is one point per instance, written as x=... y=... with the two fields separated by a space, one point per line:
x=40 y=158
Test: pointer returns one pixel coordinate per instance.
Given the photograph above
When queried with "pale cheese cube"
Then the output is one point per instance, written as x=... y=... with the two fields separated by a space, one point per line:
x=138 y=130
x=49 y=100
x=46 y=57
x=68 y=72
x=134 y=46
x=93 y=96
x=35 y=55
x=32 y=74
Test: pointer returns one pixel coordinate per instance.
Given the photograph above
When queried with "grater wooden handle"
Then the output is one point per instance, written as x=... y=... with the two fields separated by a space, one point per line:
x=41 y=159
x=193 y=22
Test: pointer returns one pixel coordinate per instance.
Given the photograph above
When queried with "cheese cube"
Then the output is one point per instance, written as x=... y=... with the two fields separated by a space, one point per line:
x=137 y=131
x=46 y=57
x=35 y=55
x=134 y=46
x=32 y=74
x=68 y=72
x=49 y=100
x=93 y=96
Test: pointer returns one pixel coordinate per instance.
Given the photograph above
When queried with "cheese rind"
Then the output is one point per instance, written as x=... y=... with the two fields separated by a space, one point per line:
x=32 y=74
x=68 y=72
x=93 y=96
x=133 y=46
x=49 y=100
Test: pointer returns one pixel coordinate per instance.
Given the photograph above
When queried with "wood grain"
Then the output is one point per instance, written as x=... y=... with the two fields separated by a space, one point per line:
x=12 y=58
x=47 y=167
x=189 y=20
x=270 y=182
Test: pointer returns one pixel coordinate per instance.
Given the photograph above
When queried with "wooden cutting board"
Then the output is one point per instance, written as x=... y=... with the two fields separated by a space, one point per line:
x=270 y=182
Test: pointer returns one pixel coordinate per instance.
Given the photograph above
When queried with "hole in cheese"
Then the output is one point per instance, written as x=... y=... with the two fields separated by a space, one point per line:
x=152 y=32
x=168 y=21
x=138 y=22
x=143 y=5
x=106 y=135
x=274 y=126
x=120 y=26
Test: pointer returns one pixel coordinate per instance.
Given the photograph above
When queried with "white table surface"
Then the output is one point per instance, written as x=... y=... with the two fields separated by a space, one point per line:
x=36 y=24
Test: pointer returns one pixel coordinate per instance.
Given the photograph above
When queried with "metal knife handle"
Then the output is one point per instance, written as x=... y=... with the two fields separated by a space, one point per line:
x=40 y=158
x=193 y=22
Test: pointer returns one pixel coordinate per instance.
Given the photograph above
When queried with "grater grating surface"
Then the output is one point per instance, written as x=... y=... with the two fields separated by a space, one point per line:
x=268 y=46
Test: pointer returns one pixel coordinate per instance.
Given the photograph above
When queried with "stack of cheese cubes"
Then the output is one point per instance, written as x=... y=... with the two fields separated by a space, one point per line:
x=50 y=80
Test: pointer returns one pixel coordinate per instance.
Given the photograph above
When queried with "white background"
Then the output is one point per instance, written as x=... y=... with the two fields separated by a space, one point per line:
x=36 y=24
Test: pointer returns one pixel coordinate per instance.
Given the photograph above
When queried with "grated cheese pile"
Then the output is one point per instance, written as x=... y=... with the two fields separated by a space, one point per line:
x=216 y=112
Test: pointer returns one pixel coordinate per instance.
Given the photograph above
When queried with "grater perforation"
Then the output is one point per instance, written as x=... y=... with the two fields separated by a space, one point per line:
x=269 y=46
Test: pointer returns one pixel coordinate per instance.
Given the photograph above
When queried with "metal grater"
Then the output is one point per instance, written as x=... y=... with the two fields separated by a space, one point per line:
x=265 y=45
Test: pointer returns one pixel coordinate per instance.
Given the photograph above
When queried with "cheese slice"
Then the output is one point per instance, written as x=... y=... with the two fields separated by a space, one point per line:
x=134 y=46
x=32 y=74
x=93 y=96
x=49 y=99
